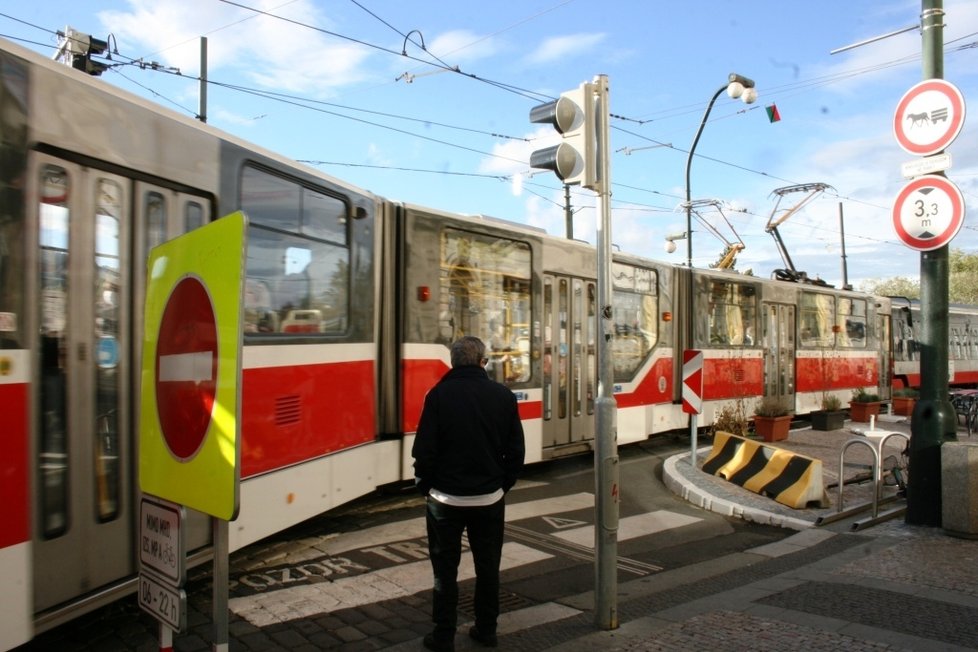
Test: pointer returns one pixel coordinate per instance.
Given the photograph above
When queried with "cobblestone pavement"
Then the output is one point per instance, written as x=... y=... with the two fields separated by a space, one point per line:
x=890 y=586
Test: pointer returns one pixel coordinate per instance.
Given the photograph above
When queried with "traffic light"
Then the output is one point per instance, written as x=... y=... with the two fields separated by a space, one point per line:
x=78 y=48
x=572 y=115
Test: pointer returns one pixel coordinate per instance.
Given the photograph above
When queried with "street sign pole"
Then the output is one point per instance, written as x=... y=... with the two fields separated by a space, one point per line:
x=933 y=419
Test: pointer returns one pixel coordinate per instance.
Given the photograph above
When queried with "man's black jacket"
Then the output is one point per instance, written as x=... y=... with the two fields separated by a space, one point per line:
x=470 y=438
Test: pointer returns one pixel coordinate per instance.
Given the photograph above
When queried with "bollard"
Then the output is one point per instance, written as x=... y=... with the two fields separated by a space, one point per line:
x=959 y=488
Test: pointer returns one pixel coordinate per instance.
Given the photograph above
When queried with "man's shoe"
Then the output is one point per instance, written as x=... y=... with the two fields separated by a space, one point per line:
x=488 y=640
x=438 y=646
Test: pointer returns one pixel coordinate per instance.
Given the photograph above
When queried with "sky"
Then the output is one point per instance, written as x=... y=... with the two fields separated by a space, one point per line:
x=428 y=102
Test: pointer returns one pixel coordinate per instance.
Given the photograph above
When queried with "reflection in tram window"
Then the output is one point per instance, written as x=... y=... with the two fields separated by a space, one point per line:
x=485 y=291
x=108 y=211
x=816 y=319
x=730 y=315
x=851 y=323
x=635 y=304
x=52 y=460
x=298 y=269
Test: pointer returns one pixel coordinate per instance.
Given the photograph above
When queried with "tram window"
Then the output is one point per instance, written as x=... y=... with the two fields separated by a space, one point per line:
x=295 y=286
x=954 y=346
x=108 y=213
x=323 y=217
x=485 y=292
x=270 y=200
x=816 y=319
x=154 y=208
x=193 y=217
x=731 y=314
x=298 y=269
x=851 y=323
x=636 y=326
x=52 y=454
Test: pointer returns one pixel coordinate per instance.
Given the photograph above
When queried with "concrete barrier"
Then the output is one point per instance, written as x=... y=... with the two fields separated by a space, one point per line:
x=789 y=478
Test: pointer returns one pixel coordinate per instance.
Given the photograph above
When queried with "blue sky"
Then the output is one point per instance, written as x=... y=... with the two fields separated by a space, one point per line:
x=447 y=125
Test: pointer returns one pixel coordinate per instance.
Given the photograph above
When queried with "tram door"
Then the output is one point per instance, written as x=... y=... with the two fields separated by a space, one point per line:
x=569 y=361
x=778 y=337
x=87 y=284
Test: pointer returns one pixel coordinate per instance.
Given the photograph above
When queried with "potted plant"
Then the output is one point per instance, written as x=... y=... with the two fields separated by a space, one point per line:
x=904 y=400
x=831 y=416
x=863 y=405
x=772 y=421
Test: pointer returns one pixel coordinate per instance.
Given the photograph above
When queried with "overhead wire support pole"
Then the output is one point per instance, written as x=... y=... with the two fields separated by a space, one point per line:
x=933 y=419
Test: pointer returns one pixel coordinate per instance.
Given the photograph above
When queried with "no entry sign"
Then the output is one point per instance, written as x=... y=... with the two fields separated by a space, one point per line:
x=186 y=367
x=188 y=430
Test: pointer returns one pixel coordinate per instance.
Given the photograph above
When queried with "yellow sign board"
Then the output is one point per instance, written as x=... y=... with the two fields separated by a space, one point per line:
x=189 y=444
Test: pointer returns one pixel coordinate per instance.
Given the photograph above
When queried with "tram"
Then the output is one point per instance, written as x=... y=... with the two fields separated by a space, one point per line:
x=350 y=303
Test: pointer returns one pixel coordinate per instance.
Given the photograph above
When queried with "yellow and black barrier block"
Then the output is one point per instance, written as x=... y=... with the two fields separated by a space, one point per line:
x=789 y=478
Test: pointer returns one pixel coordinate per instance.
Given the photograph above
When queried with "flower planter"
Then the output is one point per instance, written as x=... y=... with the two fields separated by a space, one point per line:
x=903 y=405
x=772 y=428
x=862 y=411
x=828 y=420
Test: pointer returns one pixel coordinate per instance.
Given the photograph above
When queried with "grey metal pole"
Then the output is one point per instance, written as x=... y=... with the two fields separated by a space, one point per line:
x=933 y=418
x=568 y=213
x=202 y=102
x=842 y=242
x=606 y=470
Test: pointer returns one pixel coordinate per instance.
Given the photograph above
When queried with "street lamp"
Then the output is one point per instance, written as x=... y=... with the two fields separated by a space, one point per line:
x=736 y=86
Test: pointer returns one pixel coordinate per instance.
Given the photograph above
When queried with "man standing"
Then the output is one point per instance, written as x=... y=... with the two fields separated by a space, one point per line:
x=468 y=451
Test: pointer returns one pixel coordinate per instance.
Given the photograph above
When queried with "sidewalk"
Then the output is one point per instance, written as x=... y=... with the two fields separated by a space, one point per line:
x=891 y=586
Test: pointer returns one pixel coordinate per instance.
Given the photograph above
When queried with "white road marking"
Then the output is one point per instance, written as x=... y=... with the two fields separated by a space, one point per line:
x=395 y=582
x=631 y=527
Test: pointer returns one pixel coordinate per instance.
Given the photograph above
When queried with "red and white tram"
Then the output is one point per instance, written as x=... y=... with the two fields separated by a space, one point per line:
x=351 y=301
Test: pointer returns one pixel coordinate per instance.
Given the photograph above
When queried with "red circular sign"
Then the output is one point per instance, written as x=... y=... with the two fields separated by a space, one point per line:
x=186 y=367
x=929 y=117
x=928 y=212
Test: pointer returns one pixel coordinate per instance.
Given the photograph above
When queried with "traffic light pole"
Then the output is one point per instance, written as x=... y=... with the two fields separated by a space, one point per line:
x=606 y=469
x=933 y=419
x=583 y=158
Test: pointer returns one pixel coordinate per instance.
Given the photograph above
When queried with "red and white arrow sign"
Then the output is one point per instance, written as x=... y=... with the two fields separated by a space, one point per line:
x=692 y=381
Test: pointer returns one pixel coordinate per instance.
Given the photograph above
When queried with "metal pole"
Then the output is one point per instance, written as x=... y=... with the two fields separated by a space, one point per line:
x=689 y=163
x=842 y=242
x=568 y=213
x=202 y=102
x=606 y=470
x=933 y=419
x=219 y=590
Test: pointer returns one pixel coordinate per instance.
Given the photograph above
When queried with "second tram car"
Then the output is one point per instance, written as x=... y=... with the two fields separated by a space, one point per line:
x=351 y=302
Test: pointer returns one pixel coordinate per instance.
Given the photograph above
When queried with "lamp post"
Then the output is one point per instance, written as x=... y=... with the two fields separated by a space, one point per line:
x=736 y=86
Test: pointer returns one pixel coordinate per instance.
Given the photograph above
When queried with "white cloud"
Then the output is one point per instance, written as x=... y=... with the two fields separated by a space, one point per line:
x=272 y=52
x=559 y=47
